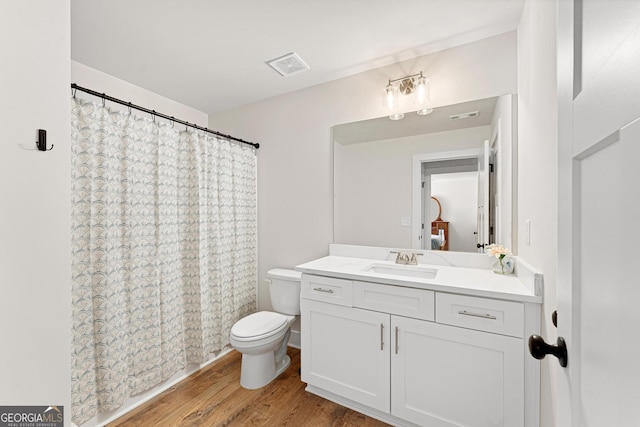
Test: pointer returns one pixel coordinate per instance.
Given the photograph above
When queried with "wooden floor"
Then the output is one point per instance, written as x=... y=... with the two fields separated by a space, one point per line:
x=213 y=397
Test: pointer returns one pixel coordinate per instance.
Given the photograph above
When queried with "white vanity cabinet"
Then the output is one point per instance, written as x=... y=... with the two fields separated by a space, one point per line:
x=414 y=357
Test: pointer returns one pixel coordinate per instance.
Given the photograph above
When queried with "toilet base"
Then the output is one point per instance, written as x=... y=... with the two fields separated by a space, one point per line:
x=260 y=367
x=283 y=365
x=259 y=370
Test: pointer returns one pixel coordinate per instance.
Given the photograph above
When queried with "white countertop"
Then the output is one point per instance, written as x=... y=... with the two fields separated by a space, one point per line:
x=460 y=280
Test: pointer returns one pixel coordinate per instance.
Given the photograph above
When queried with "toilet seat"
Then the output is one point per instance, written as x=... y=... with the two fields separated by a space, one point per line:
x=260 y=325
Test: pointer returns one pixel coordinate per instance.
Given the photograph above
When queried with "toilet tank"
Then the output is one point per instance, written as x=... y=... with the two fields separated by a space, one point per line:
x=284 y=289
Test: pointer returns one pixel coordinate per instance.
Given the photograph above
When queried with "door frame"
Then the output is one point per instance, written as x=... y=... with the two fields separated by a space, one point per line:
x=417 y=232
x=564 y=293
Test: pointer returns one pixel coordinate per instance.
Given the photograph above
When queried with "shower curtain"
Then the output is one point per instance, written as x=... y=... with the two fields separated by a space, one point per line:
x=163 y=251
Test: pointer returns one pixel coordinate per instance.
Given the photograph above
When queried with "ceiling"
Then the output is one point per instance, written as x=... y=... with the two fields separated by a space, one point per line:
x=211 y=54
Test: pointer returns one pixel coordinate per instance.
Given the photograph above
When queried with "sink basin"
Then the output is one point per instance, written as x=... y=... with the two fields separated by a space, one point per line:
x=403 y=270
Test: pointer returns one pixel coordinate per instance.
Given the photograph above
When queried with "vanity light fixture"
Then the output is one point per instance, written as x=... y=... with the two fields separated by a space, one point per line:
x=415 y=84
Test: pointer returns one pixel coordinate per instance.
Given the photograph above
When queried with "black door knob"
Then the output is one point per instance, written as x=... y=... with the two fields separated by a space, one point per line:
x=539 y=349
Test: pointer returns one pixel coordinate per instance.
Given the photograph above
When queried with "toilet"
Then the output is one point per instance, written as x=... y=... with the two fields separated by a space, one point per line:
x=262 y=337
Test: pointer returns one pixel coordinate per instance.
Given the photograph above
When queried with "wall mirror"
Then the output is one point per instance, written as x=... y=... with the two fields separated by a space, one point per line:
x=386 y=173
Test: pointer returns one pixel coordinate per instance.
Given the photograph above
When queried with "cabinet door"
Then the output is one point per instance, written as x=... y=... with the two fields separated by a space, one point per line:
x=445 y=376
x=346 y=351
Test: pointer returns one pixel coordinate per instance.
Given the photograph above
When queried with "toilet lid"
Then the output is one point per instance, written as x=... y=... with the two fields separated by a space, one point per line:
x=284 y=274
x=257 y=324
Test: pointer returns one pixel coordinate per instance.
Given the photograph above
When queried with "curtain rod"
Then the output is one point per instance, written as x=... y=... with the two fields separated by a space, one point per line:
x=104 y=97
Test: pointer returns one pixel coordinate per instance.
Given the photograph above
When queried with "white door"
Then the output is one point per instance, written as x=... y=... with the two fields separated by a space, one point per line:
x=427 y=214
x=599 y=210
x=346 y=351
x=483 y=197
x=445 y=376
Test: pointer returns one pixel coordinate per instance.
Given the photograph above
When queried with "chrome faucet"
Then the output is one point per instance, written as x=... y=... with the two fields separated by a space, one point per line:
x=406 y=258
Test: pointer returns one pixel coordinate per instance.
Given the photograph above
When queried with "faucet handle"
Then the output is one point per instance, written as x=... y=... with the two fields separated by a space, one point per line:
x=406 y=257
x=401 y=257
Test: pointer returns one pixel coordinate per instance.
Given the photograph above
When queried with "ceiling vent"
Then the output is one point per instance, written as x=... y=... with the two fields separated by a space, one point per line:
x=288 y=64
x=465 y=115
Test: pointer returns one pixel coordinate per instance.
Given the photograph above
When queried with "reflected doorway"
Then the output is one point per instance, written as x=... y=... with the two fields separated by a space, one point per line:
x=451 y=219
x=463 y=185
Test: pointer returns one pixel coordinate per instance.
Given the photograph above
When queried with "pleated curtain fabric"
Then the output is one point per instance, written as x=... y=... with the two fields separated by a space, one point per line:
x=163 y=251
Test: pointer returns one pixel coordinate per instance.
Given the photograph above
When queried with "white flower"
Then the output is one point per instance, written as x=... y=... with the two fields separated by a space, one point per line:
x=497 y=251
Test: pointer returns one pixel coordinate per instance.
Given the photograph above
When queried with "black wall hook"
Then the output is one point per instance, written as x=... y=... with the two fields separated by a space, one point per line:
x=41 y=143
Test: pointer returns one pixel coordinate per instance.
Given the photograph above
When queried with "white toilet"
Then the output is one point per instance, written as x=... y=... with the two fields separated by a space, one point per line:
x=262 y=337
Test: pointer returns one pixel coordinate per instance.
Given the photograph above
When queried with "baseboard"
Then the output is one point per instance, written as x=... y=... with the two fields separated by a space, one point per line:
x=358 y=407
x=103 y=419
x=294 y=339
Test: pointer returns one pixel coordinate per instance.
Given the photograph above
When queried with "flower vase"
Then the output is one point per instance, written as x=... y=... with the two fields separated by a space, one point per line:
x=504 y=265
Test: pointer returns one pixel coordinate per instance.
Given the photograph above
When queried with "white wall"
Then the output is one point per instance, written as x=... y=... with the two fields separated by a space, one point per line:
x=373 y=185
x=93 y=79
x=458 y=196
x=537 y=167
x=295 y=172
x=35 y=202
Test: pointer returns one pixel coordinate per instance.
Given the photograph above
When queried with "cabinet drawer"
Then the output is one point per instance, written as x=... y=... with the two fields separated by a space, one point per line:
x=483 y=314
x=329 y=289
x=408 y=302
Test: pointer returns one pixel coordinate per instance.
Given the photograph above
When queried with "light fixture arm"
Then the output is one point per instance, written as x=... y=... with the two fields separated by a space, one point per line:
x=406 y=77
x=407 y=83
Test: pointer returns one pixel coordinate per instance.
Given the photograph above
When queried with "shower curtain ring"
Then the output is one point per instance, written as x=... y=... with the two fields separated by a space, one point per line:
x=73 y=92
x=129 y=108
x=173 y=122
x=153 y=115
x=103 y=100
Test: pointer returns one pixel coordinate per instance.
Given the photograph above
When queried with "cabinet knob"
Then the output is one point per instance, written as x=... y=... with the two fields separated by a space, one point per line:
x=480 y=245
x=539 y=349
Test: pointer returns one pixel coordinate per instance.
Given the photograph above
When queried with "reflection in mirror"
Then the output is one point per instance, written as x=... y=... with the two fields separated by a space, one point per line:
x=458 y=178
x=383 y=199
x=439 y=227
x=436 y=209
